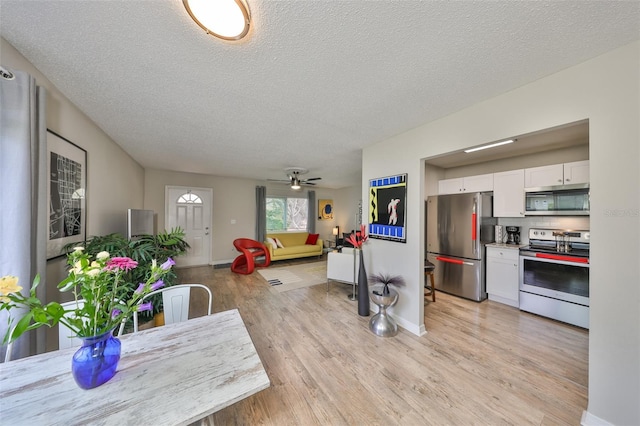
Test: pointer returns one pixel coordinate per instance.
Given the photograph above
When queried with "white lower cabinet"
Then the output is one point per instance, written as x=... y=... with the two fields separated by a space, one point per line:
x=502 y=275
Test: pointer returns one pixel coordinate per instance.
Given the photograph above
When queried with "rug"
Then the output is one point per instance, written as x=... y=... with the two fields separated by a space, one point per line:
x=295 y=276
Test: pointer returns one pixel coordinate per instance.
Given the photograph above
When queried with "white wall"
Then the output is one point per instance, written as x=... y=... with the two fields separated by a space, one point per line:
x=114 y=180
x=604 y=90
x=235 y=199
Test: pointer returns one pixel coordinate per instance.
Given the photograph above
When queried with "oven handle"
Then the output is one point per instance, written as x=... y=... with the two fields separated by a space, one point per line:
x=456 y=261
x=563 y=258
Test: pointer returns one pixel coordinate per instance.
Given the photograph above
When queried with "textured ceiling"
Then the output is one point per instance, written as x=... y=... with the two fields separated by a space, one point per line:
x=315 y=81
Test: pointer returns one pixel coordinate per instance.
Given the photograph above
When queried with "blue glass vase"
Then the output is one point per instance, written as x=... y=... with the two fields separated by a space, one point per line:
x=96 y=362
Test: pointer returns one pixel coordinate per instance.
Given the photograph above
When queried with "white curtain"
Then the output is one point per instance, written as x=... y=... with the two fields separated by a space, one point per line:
x=23 y=186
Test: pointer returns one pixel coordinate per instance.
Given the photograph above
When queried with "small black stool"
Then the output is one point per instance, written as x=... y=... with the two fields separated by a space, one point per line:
x=429 y=269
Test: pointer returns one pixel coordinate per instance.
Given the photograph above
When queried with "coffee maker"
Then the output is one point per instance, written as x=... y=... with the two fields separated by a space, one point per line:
x=513 y=234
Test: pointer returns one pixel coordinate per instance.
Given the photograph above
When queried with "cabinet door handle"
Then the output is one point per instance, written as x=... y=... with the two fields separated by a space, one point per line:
x=568 y=180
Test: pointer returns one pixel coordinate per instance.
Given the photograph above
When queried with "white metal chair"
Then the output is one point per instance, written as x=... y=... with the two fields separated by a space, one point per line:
x=175 y=302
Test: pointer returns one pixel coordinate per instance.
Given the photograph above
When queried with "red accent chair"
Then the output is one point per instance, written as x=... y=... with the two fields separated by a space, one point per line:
x=250 y=249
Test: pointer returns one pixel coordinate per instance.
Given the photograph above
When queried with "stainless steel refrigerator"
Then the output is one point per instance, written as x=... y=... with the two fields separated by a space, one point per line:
x=458 y=227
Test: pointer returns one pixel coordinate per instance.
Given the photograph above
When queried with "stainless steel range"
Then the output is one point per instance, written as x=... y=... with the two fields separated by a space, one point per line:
x=554 y=275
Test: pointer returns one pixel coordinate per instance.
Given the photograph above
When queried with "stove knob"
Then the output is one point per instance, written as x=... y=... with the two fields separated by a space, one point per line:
x=542 y=233
x=535 y=232
x=586 y=235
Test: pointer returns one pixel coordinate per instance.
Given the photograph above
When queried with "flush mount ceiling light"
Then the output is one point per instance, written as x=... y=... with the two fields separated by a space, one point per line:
x=489 y=146
x=225 y=19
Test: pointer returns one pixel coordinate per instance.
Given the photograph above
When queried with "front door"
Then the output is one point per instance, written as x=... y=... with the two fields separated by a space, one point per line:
x=190 y=209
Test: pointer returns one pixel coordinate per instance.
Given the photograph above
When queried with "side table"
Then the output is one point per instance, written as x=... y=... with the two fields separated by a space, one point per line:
x=381 y=324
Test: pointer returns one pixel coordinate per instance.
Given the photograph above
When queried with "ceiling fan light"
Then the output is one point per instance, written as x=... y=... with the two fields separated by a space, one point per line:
x=295 y=183
x=225 y=19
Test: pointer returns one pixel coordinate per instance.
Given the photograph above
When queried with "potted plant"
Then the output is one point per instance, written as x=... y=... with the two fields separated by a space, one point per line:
x=102 y=303
x=357 y=239
x=143 y=250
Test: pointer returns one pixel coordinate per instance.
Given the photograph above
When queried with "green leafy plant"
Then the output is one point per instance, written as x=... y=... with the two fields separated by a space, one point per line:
x=102 y=302
x=386 y=280
x=143 y=250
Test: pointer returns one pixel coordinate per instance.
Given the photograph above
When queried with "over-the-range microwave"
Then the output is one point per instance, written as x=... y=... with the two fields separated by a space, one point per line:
x=562 y=200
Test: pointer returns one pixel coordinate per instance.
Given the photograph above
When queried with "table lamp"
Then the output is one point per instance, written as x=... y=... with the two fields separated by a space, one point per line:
x=336 y=232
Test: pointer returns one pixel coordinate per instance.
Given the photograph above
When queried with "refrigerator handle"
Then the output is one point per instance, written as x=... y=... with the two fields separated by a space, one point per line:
x=455 y=261
x=474 y=226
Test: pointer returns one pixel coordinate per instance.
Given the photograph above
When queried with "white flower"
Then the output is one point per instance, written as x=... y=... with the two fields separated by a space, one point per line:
x=77 y=268
x=103 y=255
x=93 y=272
x=78 y=249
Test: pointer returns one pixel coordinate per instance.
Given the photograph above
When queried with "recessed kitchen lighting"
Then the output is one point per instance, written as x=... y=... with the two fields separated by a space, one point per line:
x=489 y=146
x=225 y=19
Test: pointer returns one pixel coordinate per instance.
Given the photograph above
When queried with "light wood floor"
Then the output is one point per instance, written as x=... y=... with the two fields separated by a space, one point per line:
x=479 y=364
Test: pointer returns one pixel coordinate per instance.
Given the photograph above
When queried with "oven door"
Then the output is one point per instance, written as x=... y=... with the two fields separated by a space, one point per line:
x=559 y=278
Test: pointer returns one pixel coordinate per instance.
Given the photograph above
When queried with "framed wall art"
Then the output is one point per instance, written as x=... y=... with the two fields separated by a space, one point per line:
x=325 y=209
x=66 y=193
x=387 y=208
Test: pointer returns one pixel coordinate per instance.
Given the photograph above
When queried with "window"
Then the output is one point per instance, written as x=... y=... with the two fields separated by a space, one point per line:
x=287 y=214
x=189 y=198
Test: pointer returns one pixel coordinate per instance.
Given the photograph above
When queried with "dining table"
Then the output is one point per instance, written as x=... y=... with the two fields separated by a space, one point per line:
x=177 y=374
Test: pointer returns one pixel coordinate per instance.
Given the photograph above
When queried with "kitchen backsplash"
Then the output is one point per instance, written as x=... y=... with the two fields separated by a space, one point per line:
x=551 y=222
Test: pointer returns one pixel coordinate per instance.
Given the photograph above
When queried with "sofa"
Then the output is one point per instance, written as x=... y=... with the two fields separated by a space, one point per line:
x=294 y=245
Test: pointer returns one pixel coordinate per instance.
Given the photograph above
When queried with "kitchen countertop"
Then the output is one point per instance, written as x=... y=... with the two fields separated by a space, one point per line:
x=506 y=246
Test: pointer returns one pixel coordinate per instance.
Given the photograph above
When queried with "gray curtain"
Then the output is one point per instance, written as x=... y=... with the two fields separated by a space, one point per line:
x=311 y=222
x=261 y=213
x=23 y=197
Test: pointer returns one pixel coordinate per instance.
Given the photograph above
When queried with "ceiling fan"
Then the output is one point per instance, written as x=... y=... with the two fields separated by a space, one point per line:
x=293 y=173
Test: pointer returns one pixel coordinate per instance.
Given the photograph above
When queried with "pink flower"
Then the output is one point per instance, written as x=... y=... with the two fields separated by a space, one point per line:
x=359 y=237
x=122 y=263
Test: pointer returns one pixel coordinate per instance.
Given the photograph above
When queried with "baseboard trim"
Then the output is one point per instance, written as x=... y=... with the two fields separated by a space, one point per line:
x=410 y=327
x=589 y=419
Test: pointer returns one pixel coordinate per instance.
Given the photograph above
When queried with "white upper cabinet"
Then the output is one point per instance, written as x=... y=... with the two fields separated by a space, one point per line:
x=576 y=172
x=478 y=183
x=450 y=186
x=543 y=176
x=508 y=194
x=557 y=174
